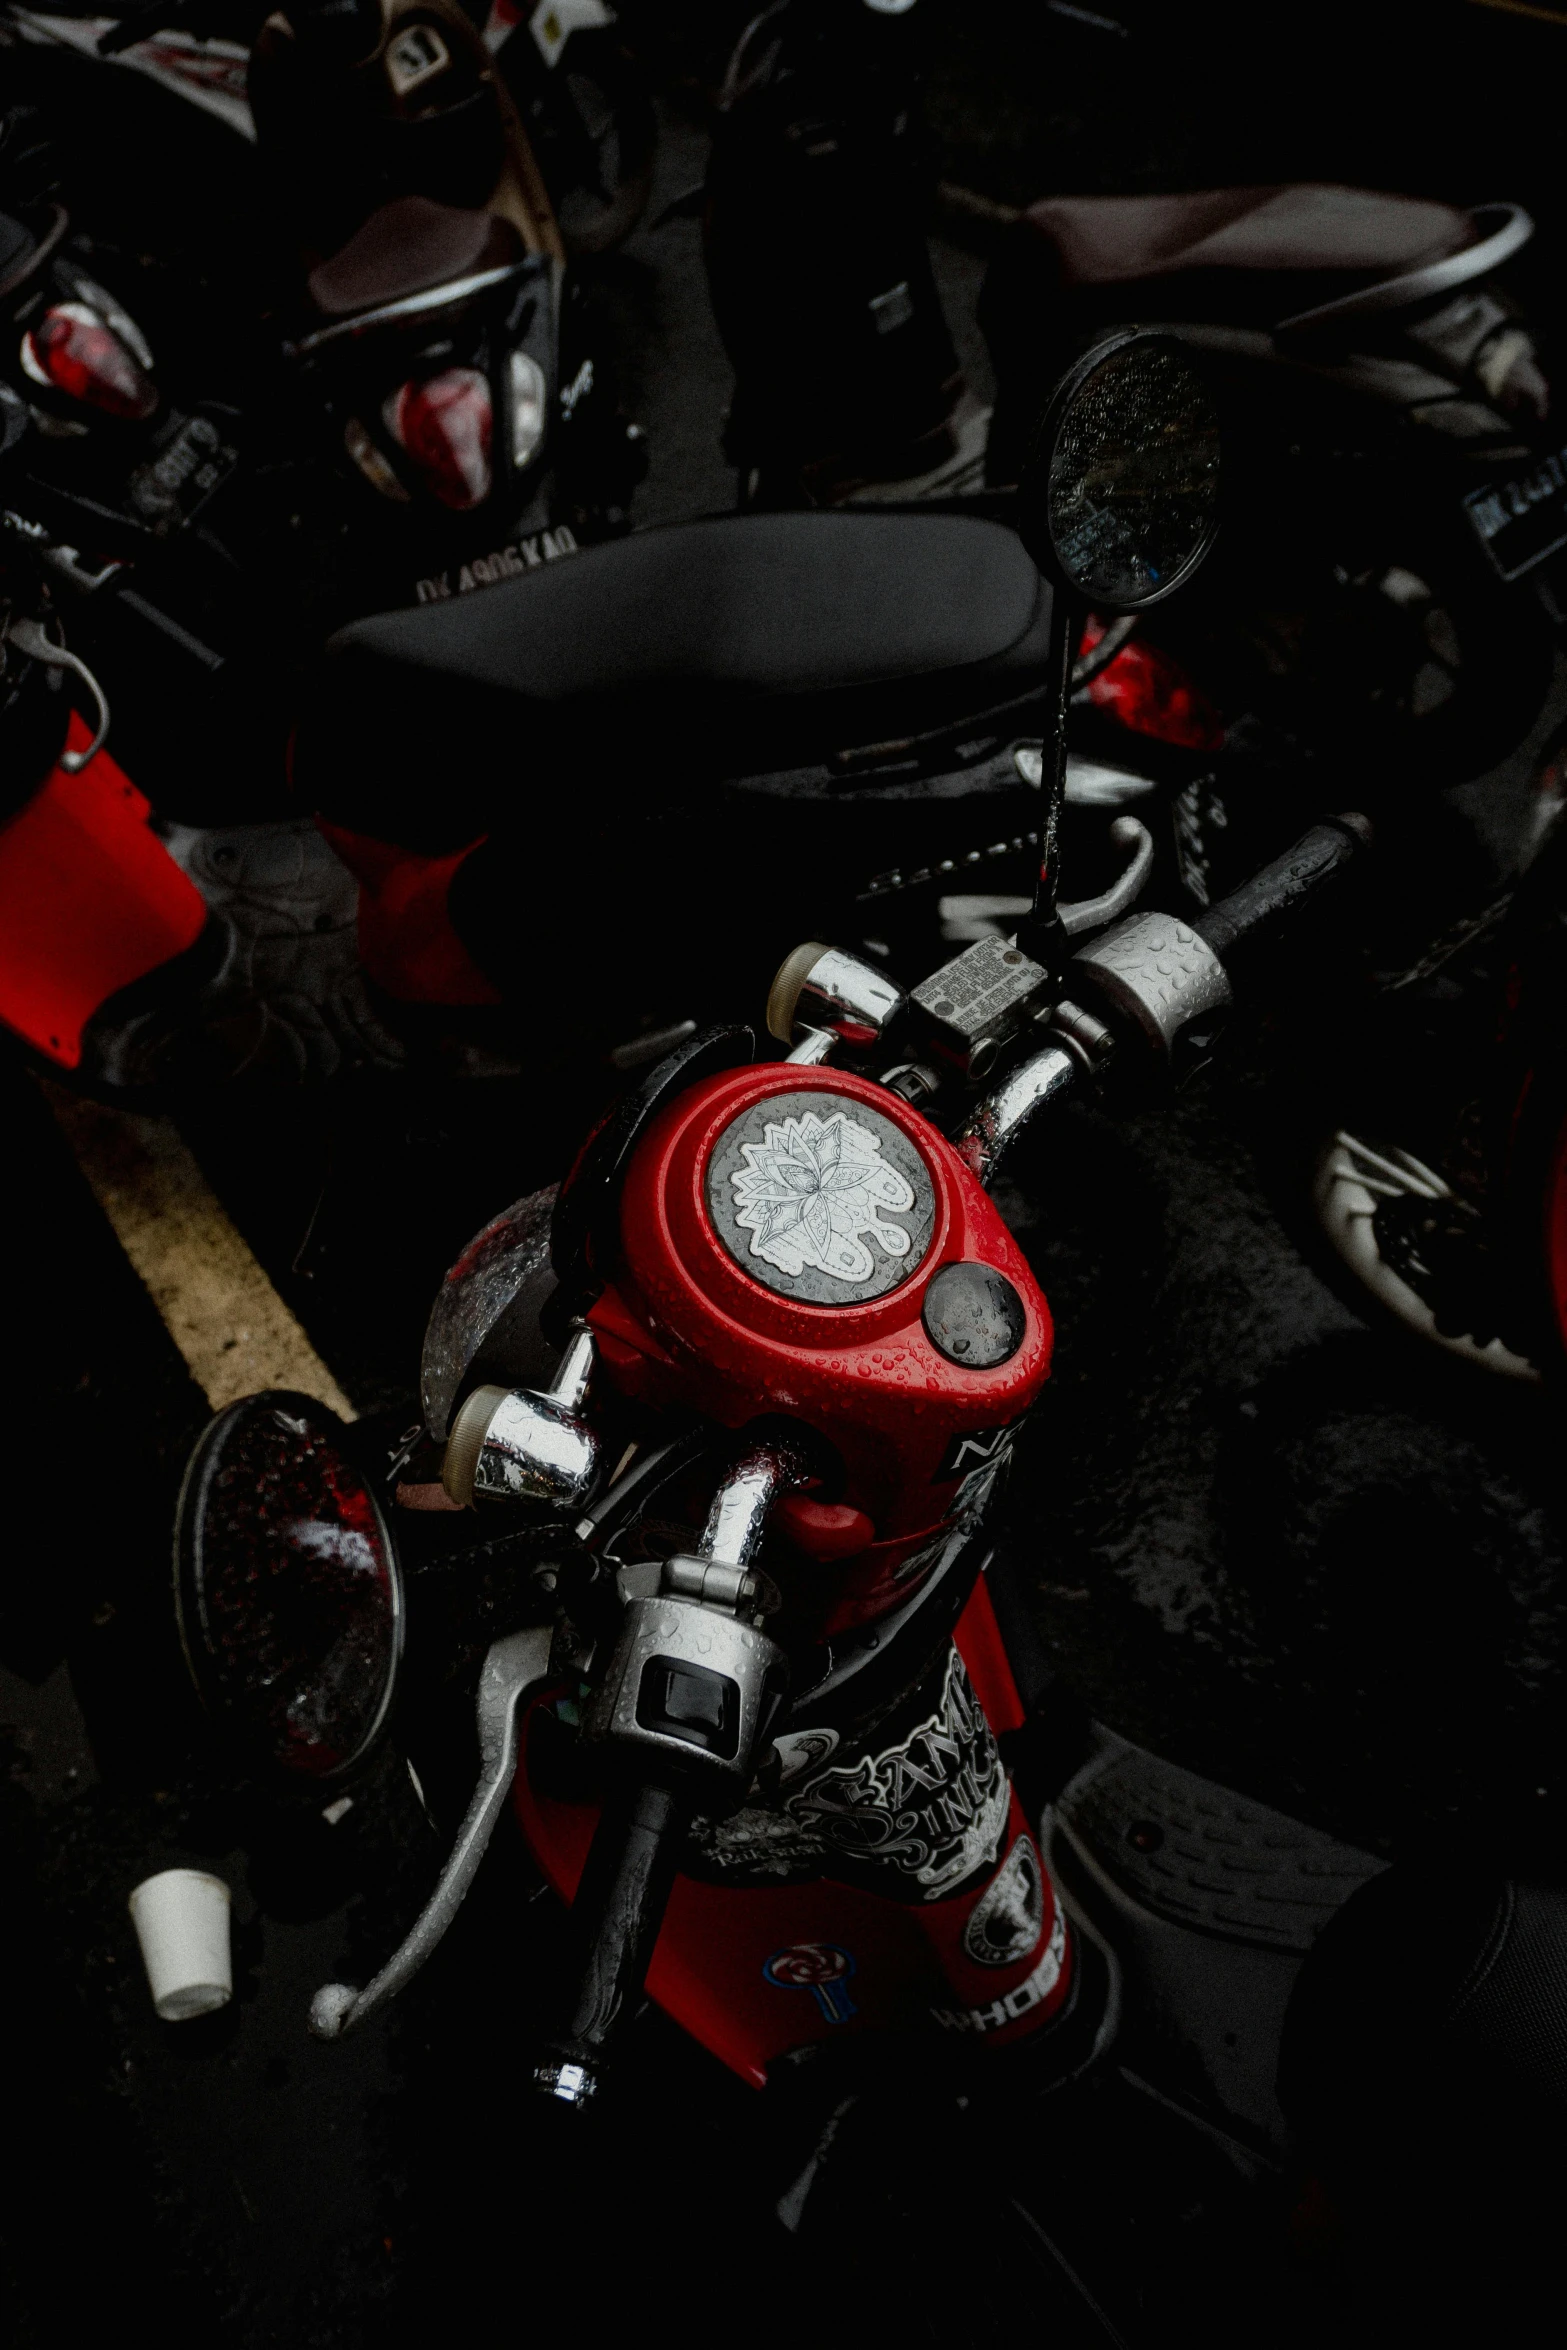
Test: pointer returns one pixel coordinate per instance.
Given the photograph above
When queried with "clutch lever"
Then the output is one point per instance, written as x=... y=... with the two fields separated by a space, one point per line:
x=513 y=1668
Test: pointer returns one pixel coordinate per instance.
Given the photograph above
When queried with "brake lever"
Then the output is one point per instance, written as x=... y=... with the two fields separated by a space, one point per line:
x=1092 y=913
x=29 y=638
x=513 y=1668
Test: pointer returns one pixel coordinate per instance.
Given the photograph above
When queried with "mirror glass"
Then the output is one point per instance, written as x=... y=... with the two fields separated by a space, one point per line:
x=1130 y=460
x=290 y=1598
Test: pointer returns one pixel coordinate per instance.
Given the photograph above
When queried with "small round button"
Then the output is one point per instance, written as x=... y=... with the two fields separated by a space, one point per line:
x=974 y=1316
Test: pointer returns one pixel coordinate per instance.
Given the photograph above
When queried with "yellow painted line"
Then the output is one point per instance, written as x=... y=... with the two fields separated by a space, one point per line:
x=217 y=1304
x=1523 y=8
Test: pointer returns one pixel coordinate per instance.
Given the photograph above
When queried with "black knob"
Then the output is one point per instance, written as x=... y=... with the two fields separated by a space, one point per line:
x=974 y=1316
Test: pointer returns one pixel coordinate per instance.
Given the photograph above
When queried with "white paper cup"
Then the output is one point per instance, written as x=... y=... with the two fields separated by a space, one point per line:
x=181 y=1918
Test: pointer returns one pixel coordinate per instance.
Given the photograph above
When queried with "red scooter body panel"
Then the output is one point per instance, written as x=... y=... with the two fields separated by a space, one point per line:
x=754 y=1971
x=90 y=900
x=697 y=1316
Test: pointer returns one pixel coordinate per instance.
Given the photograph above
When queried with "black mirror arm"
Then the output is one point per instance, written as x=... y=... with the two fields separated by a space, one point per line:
x=1042 y=935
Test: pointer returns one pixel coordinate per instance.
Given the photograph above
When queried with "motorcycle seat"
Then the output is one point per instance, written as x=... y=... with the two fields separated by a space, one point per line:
x=641 y=670
x=405 y=248
x=1246 y=254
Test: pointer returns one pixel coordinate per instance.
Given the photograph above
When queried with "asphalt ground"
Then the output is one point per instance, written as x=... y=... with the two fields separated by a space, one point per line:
x=1260 y=1535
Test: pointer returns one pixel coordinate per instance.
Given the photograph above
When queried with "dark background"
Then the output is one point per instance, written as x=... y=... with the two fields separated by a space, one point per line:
x=1278 y=1544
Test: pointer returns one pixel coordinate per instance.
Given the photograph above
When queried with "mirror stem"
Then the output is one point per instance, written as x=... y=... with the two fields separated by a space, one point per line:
x=1041 y=934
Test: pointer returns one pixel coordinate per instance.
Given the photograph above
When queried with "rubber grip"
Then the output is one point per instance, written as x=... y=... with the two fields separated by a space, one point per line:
x=616 y=1918
x=1267 y=904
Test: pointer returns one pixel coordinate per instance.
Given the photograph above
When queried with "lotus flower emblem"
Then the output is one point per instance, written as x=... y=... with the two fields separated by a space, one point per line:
x=808 y=1191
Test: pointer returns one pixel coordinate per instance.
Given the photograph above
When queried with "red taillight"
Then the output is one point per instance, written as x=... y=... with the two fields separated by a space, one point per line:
x=446 y=424
x=73 y=351
x=1147 y=692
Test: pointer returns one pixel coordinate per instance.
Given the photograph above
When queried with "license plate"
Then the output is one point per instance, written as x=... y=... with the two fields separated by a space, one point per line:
x=1522 y=520
x=171 y=489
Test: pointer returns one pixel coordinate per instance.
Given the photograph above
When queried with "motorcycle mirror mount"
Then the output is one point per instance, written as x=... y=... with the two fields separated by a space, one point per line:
x=1119 y=507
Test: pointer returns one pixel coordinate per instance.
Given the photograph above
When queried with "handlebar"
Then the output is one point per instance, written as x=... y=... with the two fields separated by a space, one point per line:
x=1252 y=917
x=1150 y=982
x=616 y=1918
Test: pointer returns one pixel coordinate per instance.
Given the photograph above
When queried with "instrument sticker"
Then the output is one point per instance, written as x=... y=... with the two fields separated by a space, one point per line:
x=1009 y=1916
x=821 y=1968
x=975 y=1448
x=933 y=1808
x=819 y=1203
x=1013 y=2005
x=811 y=1188
x=919 y=1817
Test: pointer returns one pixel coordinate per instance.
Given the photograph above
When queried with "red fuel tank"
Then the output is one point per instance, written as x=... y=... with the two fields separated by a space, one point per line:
x=797 y=1241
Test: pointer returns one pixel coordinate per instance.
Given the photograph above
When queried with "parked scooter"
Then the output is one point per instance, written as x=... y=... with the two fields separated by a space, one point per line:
x=584 y=99
x=1385 y=591
x=1389 y=412
x=140 y=952
x=1444 y=1189
x=587 y=104
x=428 y=347
x=738 y=1402
x=847 y=383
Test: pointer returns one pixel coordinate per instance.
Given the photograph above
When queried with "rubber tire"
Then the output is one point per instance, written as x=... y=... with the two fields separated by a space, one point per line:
x=601 y=59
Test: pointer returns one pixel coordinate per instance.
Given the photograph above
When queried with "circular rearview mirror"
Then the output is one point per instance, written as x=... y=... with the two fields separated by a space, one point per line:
x=1120 y=496
x=288 y=1590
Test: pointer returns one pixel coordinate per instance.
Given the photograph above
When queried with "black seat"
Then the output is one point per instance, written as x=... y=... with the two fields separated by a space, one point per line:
x=1239 y=255
x=636 y=674
x=406 y=248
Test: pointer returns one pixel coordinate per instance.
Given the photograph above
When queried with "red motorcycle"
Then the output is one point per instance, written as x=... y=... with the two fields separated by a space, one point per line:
x=738 y=1402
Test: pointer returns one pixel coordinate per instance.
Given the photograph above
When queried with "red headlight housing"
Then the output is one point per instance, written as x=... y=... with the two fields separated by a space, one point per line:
x=76 y=352
x=446 y=425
